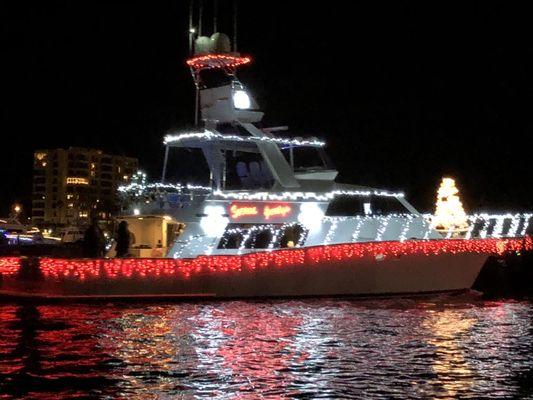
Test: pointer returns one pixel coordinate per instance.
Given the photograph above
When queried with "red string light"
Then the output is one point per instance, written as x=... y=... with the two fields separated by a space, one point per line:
x=210 y=61
x=84 y=269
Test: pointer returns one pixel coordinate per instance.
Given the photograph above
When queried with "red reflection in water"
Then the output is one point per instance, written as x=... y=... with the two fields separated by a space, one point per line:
x=50 y=349
x=401 y=348
x=257 y=350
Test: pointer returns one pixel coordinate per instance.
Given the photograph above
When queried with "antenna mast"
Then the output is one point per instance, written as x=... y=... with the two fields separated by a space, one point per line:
x=200 y=13
x=215 y=15
x=191 y=26
x=235 y=25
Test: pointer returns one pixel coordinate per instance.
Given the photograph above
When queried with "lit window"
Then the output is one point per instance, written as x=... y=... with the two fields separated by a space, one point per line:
x=77 y=181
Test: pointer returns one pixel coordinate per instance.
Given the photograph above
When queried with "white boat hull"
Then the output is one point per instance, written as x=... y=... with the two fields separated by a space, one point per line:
x=408 y=274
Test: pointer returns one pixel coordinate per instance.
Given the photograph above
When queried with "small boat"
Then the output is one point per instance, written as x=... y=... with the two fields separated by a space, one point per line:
x=15 y=233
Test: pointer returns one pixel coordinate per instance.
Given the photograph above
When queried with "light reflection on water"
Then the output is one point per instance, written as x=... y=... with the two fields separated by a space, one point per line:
x=441 y=347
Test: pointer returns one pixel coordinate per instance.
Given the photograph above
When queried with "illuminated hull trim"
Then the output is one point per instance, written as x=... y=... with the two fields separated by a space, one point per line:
x=318 y=271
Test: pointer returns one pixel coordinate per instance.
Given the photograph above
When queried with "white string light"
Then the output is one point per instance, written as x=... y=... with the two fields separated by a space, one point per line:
x=357 y=230
x=405 y=229
x=471 y=223
x=514 y=227
x=527 y=218
x=140 y=188
x=210 y=135
x=296 y=196
x=383 y=223
x=517 y=221
x=275 y=232
x=331 y=231
x=497 y=231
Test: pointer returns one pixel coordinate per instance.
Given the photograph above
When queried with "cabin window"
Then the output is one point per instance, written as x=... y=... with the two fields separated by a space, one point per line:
x=263 y=239
x=345 y=206
x=386 y=205
x=246 y=170
x=292 y=236
x=262 y=236
x=364 y=205
x=231 y=239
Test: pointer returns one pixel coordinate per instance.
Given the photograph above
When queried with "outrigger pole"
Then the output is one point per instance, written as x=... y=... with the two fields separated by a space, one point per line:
x=165 y=160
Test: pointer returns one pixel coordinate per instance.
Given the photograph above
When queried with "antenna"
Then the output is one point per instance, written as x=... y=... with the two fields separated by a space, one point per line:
x=215 y=12
x=200 y=12
x=191 y=27
x=235 y=25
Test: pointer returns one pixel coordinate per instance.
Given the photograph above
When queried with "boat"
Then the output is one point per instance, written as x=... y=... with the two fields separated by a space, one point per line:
x=272 y=221
x=15 y=233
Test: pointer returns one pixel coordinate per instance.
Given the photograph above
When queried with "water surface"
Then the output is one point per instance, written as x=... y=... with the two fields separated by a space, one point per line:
x=437 y=347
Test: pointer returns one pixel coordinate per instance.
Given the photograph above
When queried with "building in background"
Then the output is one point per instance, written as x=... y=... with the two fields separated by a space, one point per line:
x=71 y=186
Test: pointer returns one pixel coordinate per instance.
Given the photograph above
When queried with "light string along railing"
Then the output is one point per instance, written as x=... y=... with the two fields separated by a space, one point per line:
x=296 y=196
x=479 y=224
x=160 y=188
x=178 y=187
x=210 y=61
x=210 y=135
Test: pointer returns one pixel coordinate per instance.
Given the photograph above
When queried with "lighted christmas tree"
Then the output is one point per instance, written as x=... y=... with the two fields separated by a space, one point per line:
x=449 y=213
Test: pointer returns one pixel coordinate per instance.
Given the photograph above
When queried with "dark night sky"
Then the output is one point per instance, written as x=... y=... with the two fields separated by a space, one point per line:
x=404 y=92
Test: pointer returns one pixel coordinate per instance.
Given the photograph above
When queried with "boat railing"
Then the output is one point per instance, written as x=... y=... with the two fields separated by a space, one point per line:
x=162 y=193
x=403 y=227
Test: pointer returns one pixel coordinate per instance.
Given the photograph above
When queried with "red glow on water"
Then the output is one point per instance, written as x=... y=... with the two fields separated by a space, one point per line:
x=248 y=348
x=82 y=269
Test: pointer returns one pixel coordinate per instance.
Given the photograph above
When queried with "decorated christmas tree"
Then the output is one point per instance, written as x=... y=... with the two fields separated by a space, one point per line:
x=449 y=213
